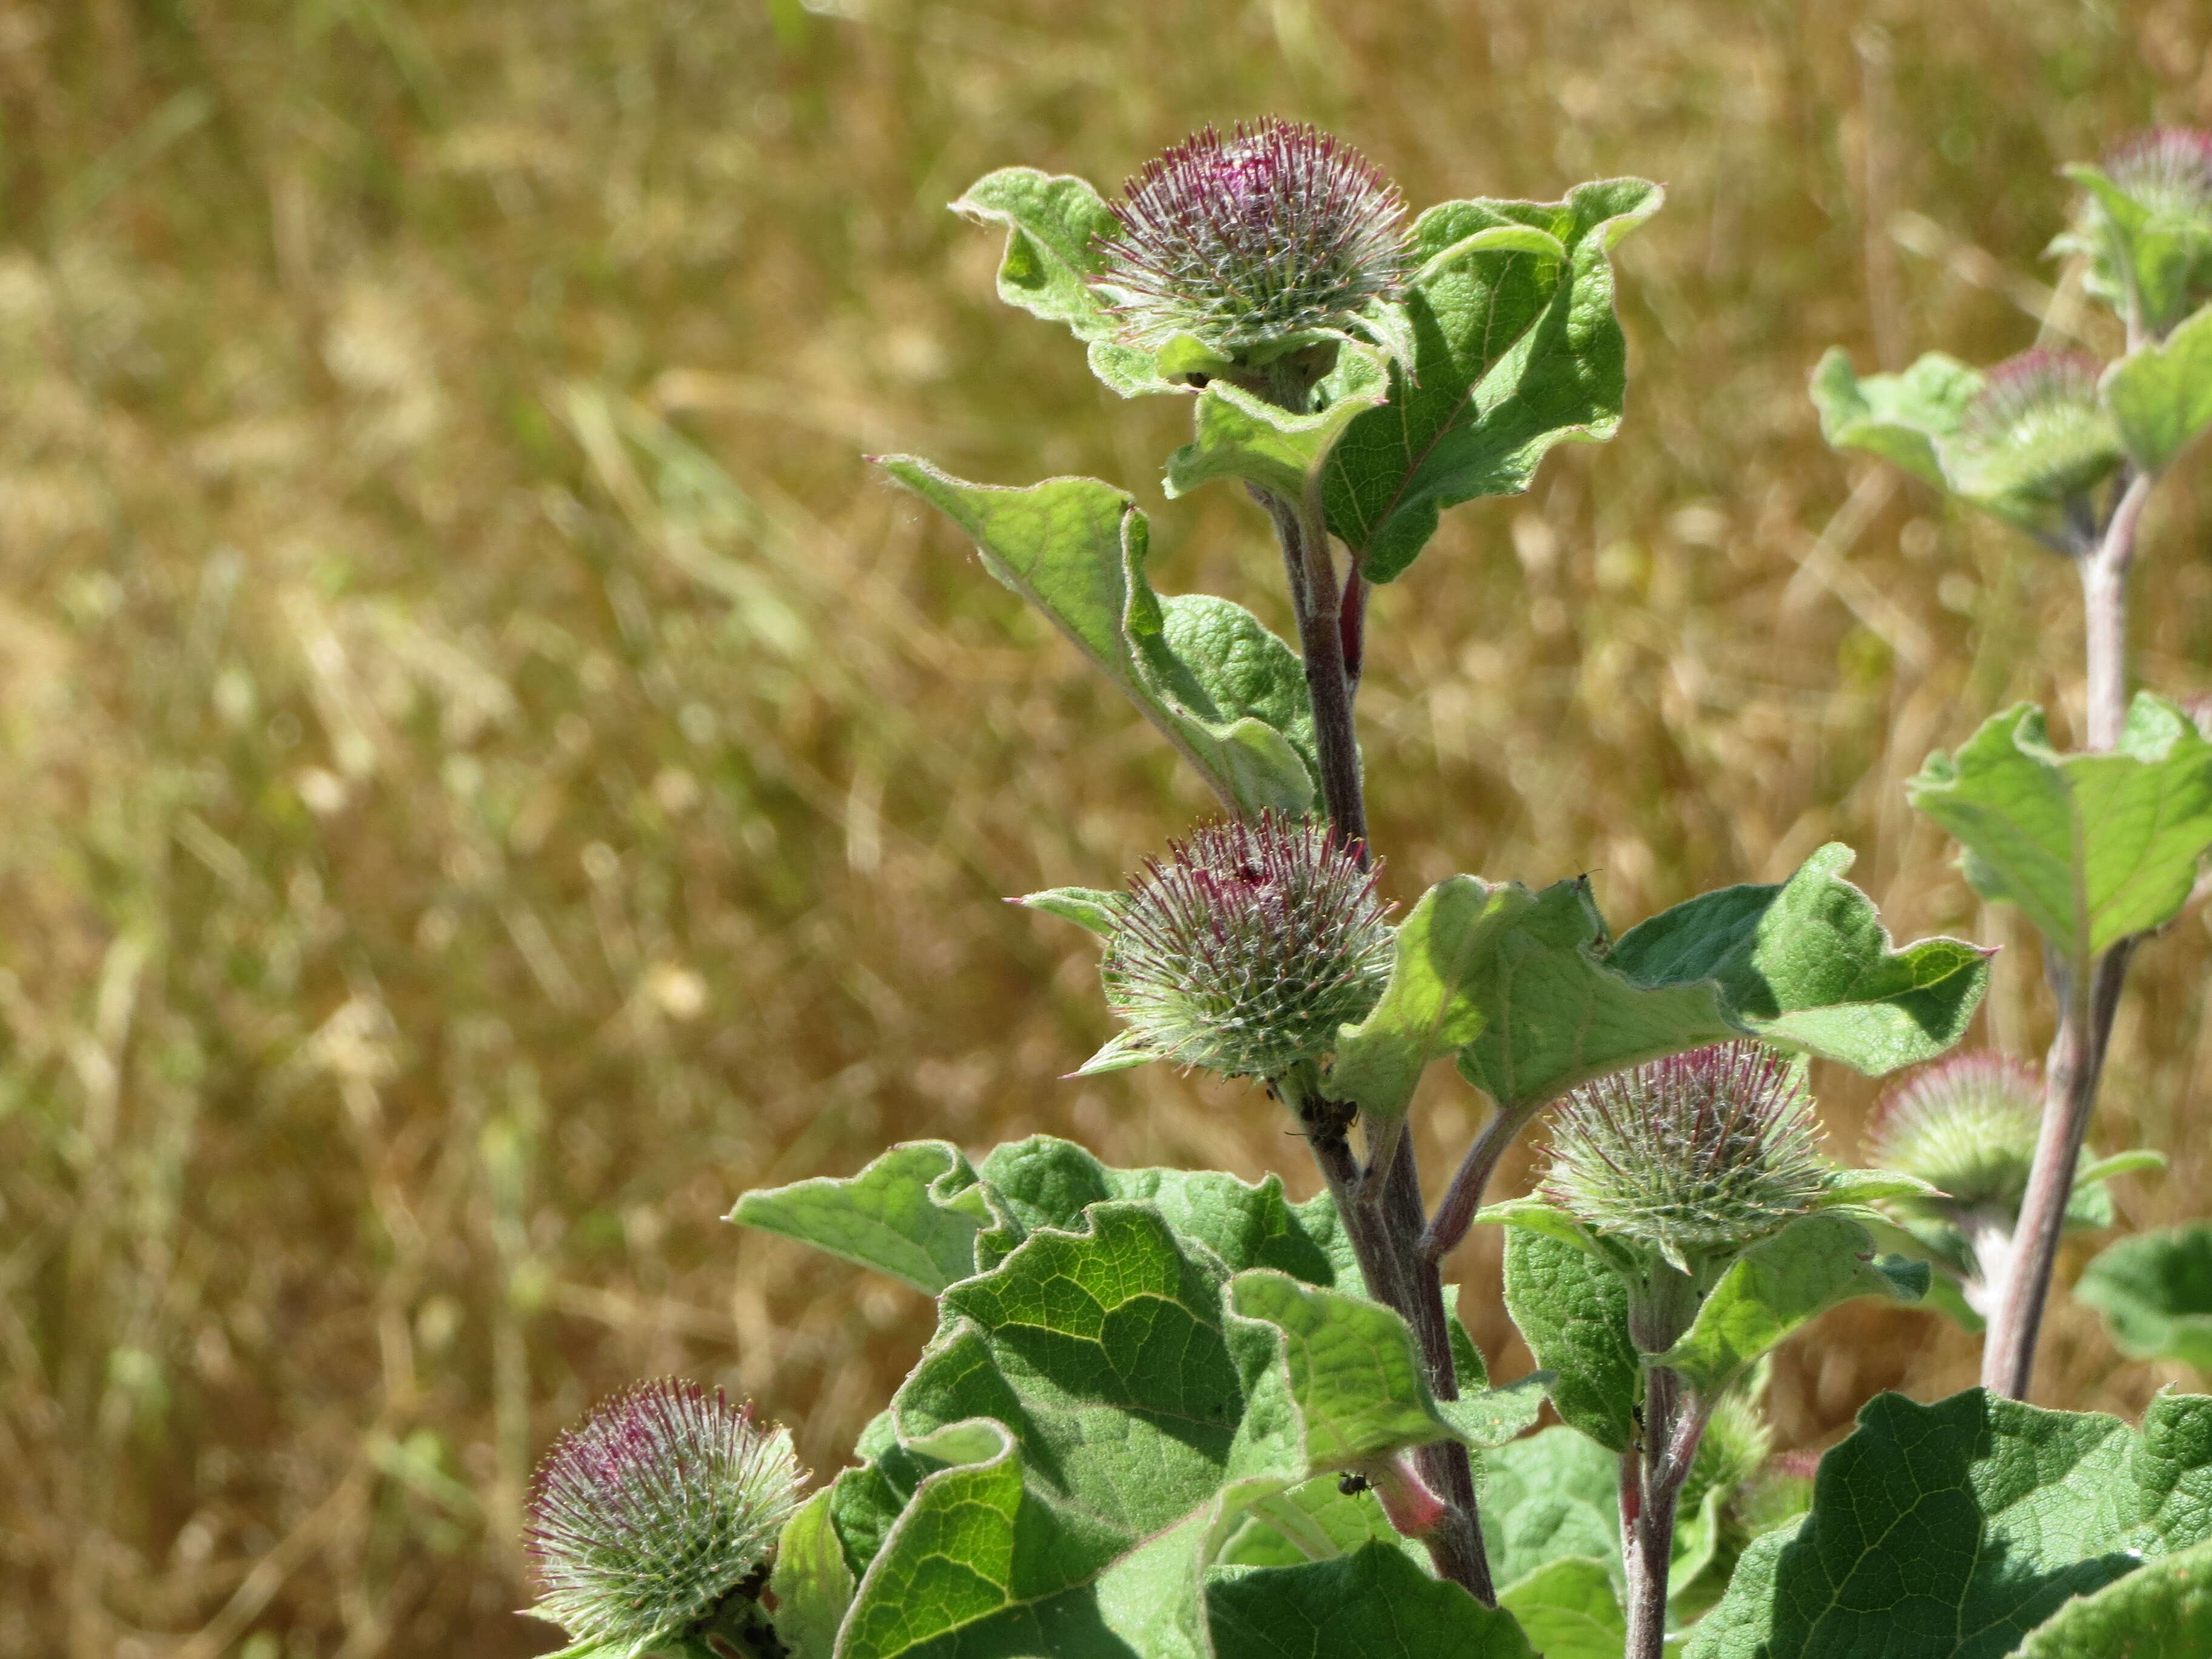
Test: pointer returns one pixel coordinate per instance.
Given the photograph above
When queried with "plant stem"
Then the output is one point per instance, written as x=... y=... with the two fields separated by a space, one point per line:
x=1464 y=1196
x=1316 y=602
x=1375 y=1219
x=1651 y=1476
x=2087 y=990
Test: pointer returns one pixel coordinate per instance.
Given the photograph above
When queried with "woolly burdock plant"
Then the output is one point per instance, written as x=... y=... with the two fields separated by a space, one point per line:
x=1270 y=238
x=1245 y=950
x=652 y=1524
x=1696 y=1155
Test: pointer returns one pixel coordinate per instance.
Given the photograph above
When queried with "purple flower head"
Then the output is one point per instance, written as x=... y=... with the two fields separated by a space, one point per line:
x=2167 y=170
x=1698 y=1154
x=1967 y=1125
x=1247 y=947
x=664 y=1501
x=2037 y=429
x=1254 y=239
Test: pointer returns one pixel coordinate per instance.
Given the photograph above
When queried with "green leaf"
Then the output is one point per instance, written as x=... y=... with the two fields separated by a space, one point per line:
x=1374 y=1604
x=1805 y=964
x=1102 y=1408
x=2154 y=1291
x=1053 y=225
x=1514 y=350
x=1904 y=417
x=812 y=1584
x=1246 y=438
x=1086 y=907
x=1568 y=1610
x=1950 y=1531
x=1430 y=1005
x=2092 y=848
x=1551 y=1497
x=1350 y=1367
x=1222 y=689
x=1573 y=1313
x=1498 y=1415
x=2162 y=394
x=1776 y=1285
x=898 y=1215
x=2164 y=1611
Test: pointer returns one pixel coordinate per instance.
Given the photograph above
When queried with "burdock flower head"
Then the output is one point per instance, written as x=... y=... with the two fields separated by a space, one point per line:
x=2147 y=226
x=1696 y=1156
x=1253 y=243
x=2037 y=434
x=1245 y=949
x=662 y=1508
x=1967 y=1126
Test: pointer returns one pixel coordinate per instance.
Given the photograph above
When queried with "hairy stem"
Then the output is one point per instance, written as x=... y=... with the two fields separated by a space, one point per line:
x=1375 y=1219
x=2088 y=989
x=1651 y=1476
x=1317 y=604
x=1464 y=1196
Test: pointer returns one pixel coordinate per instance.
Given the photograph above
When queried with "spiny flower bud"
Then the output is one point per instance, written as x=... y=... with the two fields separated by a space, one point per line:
x=1245 y=950
x=2167 y=170
x=1700 y=1153
x=645 y=1519
x=1252 y=240
x=2036 y=430
x=1967 y=1126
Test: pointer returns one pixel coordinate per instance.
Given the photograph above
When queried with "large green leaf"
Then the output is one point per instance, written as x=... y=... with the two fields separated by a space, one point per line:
x=812 y=1584
x=1551 y=1496
x=1950 y=1531
x=1053 y=225
x=1573 y=1311
x=1568 y=1609
x=2092 y=848
x=1805 y=964
x=1776 y=1285
x=905 y=1215
x=1221 y=688
x=2162 y=1612
x=2155 y=1292
x=1105 y=1407
x=2162 y=394
x=1374 y=1604
x=1514 y=350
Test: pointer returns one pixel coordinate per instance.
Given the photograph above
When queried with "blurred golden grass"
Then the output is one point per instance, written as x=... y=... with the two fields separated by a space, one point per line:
x=491 y=776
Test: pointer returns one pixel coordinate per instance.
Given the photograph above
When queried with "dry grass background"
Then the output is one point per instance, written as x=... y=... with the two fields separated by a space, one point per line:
x=489 y=776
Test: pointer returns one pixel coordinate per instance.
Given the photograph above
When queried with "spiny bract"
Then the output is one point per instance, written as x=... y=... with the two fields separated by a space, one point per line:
x=1699 y=1153
x=645 y=1517
x=1245 y=950
x=1966 y=1125
x=2036 y=430
x=1252 y=240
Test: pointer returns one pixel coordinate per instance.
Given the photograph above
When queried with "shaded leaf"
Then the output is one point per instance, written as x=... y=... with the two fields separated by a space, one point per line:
x=812 y=1584
x=1568 y=1610
x=1573 y=1313
x=1243 y=437
x=1950 y=1531
x=1551 y=1497
x=1900 y=417
x=1374 y=1604
x=2154 y=1291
